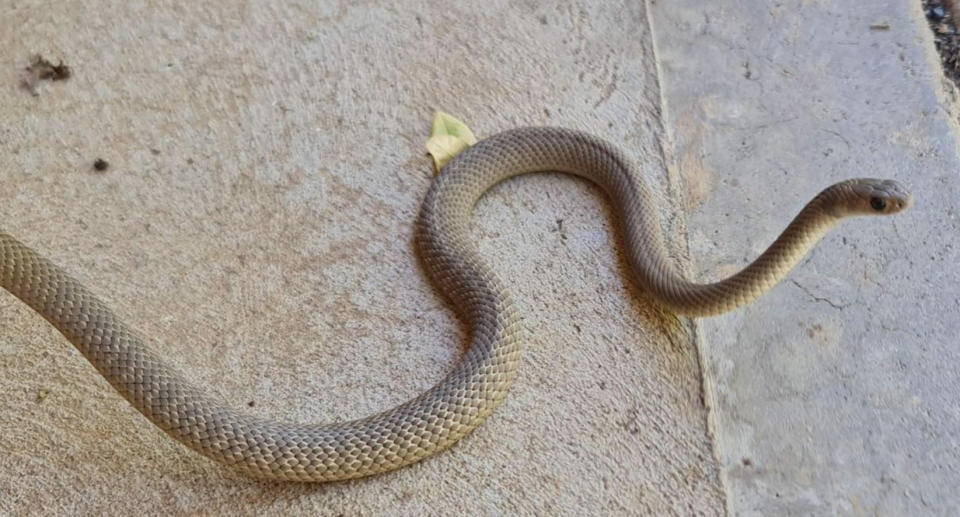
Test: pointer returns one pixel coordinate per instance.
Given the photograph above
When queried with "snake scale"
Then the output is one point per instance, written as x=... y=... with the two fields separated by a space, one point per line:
x=478 y=383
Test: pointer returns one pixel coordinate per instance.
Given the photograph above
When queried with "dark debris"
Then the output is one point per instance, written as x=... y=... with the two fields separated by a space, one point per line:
x=942 y=16
x=40 y=69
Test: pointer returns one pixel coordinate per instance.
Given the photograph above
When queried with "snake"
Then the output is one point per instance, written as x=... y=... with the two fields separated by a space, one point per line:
x=479 y=381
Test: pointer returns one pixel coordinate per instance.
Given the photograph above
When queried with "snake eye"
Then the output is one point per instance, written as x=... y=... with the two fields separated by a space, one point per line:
x=878 y=203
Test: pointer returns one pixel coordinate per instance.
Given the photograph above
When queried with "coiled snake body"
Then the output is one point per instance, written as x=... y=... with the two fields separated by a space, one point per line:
x=461 y=401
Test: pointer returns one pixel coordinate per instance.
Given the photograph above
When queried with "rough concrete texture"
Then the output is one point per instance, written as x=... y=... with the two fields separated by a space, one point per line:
x=266 y=168
x=837 y=393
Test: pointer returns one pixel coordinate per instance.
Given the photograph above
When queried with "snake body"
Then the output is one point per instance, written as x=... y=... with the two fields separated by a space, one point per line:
x=461 y=401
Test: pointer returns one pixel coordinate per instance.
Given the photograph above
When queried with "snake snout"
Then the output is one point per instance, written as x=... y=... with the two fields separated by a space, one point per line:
x=897 y=196
x=879 y=197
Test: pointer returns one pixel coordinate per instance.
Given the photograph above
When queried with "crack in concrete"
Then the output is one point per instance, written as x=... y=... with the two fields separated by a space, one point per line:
x=829 y=302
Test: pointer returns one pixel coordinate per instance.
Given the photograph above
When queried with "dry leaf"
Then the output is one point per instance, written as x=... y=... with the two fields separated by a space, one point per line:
x=448 y=138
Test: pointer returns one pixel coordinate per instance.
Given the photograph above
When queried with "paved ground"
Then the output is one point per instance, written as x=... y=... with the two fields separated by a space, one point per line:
x=837 y=393
x=266 y=167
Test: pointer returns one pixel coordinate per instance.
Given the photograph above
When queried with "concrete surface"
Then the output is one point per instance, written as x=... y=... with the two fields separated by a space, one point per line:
x=266 y=167
x=836 y=394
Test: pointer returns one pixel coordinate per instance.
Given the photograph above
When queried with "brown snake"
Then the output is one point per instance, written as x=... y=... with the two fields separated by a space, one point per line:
x=461 y=401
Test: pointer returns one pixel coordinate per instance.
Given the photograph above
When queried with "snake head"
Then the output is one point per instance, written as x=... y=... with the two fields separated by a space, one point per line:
x=868 y=196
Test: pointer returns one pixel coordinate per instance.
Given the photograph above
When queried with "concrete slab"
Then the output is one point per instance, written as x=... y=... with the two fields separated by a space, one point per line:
x=266 y=165
x=836 y=393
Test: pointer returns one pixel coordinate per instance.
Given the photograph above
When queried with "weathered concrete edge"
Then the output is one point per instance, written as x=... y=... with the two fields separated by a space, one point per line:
x=677 y=196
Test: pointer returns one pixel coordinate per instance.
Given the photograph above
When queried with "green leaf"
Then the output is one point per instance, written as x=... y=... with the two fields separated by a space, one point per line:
x=448 y=138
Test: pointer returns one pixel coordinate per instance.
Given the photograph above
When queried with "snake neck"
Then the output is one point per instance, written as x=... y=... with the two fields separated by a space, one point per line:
x=745 y=286
x=452 y=197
